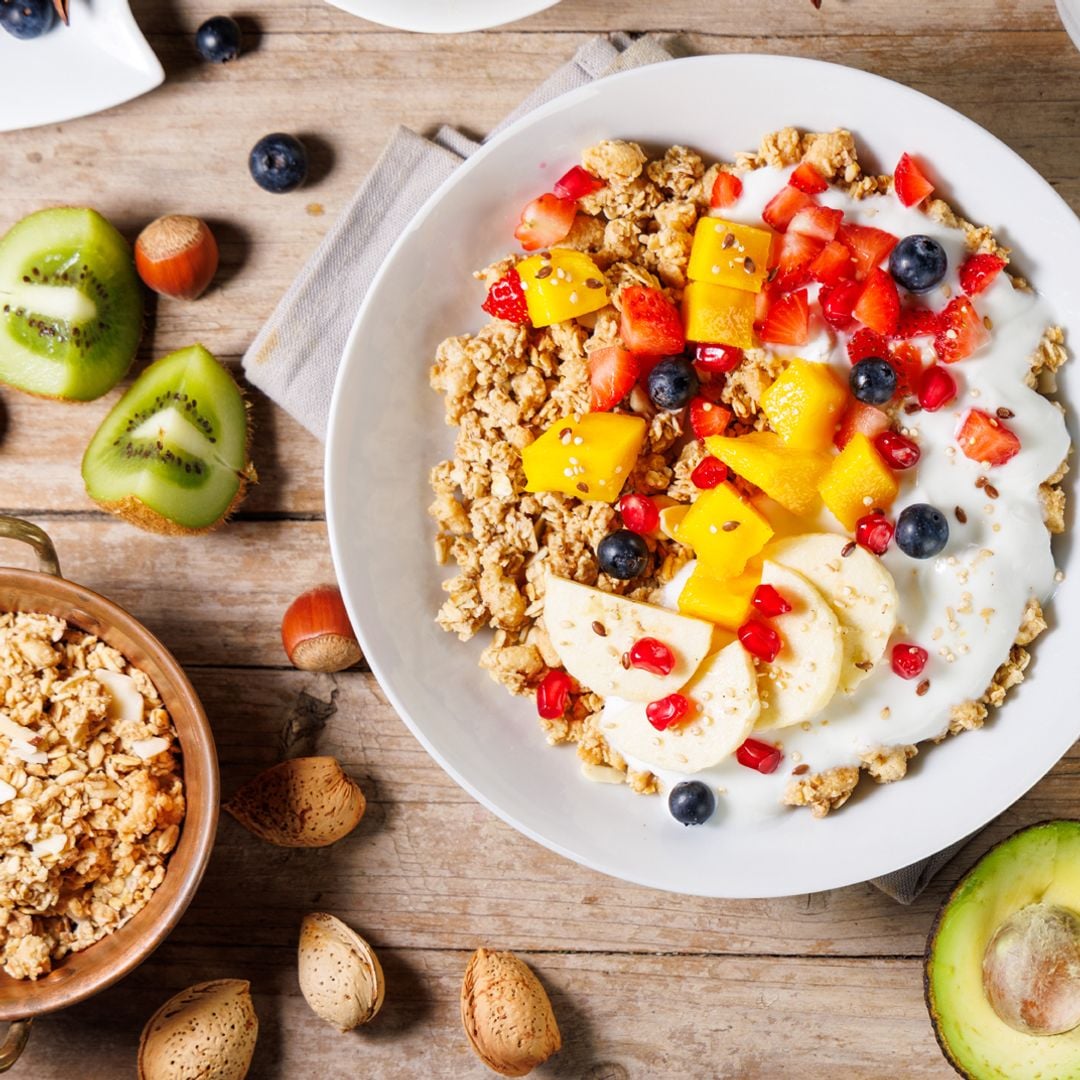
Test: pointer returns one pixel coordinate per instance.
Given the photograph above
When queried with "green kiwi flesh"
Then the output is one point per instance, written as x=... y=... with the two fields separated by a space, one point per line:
x=172 y=456
x=70 y=305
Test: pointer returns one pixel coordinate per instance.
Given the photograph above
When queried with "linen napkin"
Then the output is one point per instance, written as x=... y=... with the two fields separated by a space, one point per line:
x=295 y=356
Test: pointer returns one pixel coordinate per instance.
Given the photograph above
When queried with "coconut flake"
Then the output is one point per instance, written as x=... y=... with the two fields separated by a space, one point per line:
x=51 y=845
x=7 y=792
x=148 y=748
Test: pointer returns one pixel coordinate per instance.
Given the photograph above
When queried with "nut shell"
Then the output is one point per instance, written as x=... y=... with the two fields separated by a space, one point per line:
x=340 y=975
x=305 y=802
x=206 y=1032
x=506 y=1014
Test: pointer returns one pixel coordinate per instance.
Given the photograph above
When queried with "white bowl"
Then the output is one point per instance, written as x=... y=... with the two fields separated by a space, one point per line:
x=443 y=16
x=1069 y=10
x=387 y=430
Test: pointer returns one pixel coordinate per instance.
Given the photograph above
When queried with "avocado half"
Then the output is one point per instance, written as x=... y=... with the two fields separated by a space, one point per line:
x=1039 y=864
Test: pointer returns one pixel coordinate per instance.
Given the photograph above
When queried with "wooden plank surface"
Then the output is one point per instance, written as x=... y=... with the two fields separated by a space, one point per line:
x=644 y=984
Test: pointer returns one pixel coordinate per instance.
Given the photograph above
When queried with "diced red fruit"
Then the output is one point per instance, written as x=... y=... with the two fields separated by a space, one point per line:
x=908 y=660
x=768 y=602
x=760 y=640
x=718 y=358
x=860 y=419
x=726 y=189
x=978 y=272
x=795 y=254
x=868 y=246
x=879 y=305
x=874 y=532
x=962 y=331
x=909 y=181
x=639 y=513
x=650 y=324
x=576 y=183
x=553 y=694
x=907 y=362
x=762 y=756
x=710 y=472
x=936 y=388
x=985 y=438
x=506 y=299
x=708 y=418
x=652 y=655
x=916 y=321
x=788 y=320
x=807 y=179
x=545 y=221
x=783 y=206
x=667 y=711
x=833 y=265
x=613 y=371
x=866 y=343
x=897 y=451
x=820 y=222
x=838 y=302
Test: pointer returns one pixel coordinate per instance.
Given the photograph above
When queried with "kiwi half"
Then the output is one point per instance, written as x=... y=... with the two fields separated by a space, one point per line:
x=172 y=456
x=70 y=305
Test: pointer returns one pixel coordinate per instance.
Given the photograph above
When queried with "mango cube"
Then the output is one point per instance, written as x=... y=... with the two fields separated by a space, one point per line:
x=804 y=405
x=561 y=285
x=724 y=601
x=726 y=253
x=718 y=315
x=671 y=517
x=588 y=458
x=724 y=531
x=791 y=477
x=857 y=482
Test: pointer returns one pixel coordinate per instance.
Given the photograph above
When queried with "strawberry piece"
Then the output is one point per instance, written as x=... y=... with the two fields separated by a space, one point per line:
x=710 y=472
x=707 y=418
x=652 y=655
x=650 y=324
x=879 y=305
x=917 y=322
x=807 y=179
x=874 y=532
x=896 y=450
x=862 y=419
x=506 y=299
x=907 y=362
x=962 y=331
x=667 y=711
x=553 y=694
x=820 y=222
x=767 y=601
x=760 y=640
x=838 y=302
x=978 y=273
x=795 y=254
x=909 y=181
x=866 y=343
x=758 y=755
x=869 y=246
x=909 y=660
x=576 y=183
x=639 y=513
x=718 y=358
x=545 y=221
x=984 y=438
x=936 y=388
x=783 y=206
x=788 y=320
x=833 y=265
x=726 y=189
x=612 y=373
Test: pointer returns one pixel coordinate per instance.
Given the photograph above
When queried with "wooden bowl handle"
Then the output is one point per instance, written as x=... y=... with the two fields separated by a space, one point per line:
x=13 y=528
x=15 y=1043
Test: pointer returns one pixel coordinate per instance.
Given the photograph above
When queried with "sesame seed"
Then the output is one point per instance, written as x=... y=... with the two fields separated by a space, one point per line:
x=578 y=440
x=574 y=461
x=573 y=298
x=568 y=472
x=716 y=269
x=713 y=529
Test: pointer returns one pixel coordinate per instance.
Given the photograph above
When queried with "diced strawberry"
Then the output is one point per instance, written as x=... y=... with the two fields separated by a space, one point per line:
x=869 y=246
x=763 y=301
x=906 y=361
x=978 y=273
x=718 y=358
x=576 y=183
x=985 y=438
x=860 y=418
x=726 y=189
x=783 y=206
x=909 y=182
x=545 y=221
x=708 y=418
x=820 y=222
x=788 y=320
x=879 y=305
x=962 y=331
x=917 y=322
x=650 y=323
x=506 y=299
x=833 y=265
x=838 y=302
x=612 y=373
x=795 y=254
x=807 y=179
x=866 y=343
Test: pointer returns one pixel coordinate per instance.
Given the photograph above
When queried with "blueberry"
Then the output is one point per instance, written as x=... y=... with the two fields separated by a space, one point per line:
x=921 y=531
x=672 y=383
x=873 y=381
x=623 y=554
x=27 y=19
x=278 y=163
x=691 y=802
x=218 y=39
x=918 y=263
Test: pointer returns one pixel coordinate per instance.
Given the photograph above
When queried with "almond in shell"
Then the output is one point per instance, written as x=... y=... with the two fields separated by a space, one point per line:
x=206 y=1032
x=305 y=802
x=507 y=1014
x=340 y=975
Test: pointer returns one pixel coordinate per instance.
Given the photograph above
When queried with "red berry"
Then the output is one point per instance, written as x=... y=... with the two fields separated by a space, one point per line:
x=898 y=451
x=874 y=532
x=866 y=343
x=612 y=374
x=788 y=320
x=807 y=179
x=909 y=182
x=768 y=602
x=506 y=299
x=760 y=640
x=936 y=388
x=726 y=189
x=819 y=222
x=667 y=711
x=709 y=474
x=707 y=418
x=783 y=206
x=979 y=271
x=838 y=302
x=576 y=183
x=553 y=694
x=794 y=255
x=639 y=514
x=879 y=305
x=908 y=660
x=962 y=332
x=833 y=265
x=651 y=655
x=917 y=321
x=986 y=439
x=762 y=756
x=907 y=362
x=545 y=221
x=719 y=358
x=869 y=247
x=650 y=324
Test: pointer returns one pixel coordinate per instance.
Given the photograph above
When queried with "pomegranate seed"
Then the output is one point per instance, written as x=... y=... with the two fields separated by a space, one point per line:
x=760 y=640
x=639 y=513
x=898 y=451
x=758 y=755
x=709 y=473
x=667 y=711
x=553 y=694
x=874 y=532
x=768 y=602
x=936 y=388
x=908 y=660
x=718 y=357
x=651 y=655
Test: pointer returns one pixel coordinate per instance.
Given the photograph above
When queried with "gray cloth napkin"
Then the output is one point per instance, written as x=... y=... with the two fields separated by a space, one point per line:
x=294 y=358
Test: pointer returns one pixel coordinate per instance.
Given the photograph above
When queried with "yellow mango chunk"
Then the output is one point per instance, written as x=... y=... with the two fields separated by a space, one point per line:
x=561 y=286
x=724 y=601
x=791 y=477
x=804 y=405
x=724 y=531
x=588 y=458
x=726 y=253
x=857 y=482
x=671 y=517
x=718 y=315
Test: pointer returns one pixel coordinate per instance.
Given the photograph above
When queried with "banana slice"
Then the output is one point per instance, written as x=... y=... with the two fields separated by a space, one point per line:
x=724 y=698
x=801 y=681
x=858 y=588
x=592 y=630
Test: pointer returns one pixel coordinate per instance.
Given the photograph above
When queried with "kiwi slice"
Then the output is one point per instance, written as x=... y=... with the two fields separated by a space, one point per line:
x=172 y=456
x=70 y=305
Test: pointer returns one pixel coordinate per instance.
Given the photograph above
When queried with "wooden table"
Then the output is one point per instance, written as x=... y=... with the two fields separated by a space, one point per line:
x=644 y=984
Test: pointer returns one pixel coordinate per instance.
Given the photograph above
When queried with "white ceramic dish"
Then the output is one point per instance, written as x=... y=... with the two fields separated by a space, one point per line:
x=387 y=430
x=99 y=61
x=443 y=16
x=1069 y=10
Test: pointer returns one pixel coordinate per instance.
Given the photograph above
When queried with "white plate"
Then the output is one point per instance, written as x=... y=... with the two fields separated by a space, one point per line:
x=443 y=16
x=1069 y=10
x=99 y=61
x=386 y=432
